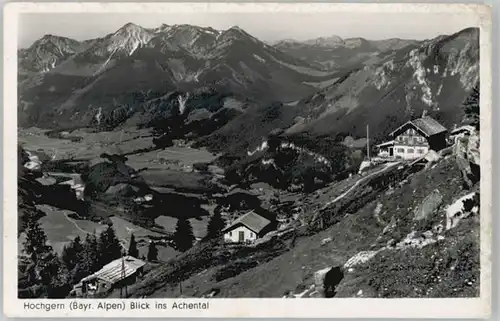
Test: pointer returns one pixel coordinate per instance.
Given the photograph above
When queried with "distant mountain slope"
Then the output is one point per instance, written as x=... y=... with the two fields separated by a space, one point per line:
x=335 y=53
x=45 y=54
x=435 y=76
x=134 y=64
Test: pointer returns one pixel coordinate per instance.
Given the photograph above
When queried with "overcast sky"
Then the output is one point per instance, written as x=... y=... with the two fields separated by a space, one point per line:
x=265 y=26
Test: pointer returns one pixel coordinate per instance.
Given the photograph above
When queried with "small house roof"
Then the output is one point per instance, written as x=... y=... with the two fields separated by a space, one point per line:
x=112 y=272
x=466 y=128
x=251 y=220
x=427 y=125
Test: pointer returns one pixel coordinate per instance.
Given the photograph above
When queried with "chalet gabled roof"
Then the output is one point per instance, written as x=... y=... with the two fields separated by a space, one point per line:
x=112 y=272
x=427 y=125
x=251 y=220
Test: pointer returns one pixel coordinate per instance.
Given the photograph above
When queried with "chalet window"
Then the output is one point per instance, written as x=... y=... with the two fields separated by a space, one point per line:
x=410 y=151
x=400 y=150
x=420 y=151
x=230 y=233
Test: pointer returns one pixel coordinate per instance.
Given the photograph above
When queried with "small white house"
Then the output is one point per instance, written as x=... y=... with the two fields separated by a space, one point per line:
x=248 y=228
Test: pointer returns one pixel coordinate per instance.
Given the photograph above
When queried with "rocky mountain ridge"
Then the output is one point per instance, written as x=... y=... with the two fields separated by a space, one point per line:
x=160 y=61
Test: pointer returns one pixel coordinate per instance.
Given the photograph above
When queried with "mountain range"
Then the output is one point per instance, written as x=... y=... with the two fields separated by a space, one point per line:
x=78 y=78
x=136 y=74
x=333 y=53
x=183 y=122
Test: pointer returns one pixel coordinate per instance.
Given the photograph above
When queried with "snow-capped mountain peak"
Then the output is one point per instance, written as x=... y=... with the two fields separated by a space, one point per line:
x=127 y=39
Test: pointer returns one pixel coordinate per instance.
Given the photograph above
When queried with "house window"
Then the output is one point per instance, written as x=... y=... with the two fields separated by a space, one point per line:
x=400 y=150
x=230 y=233
x=410 y=151
x=420 y=151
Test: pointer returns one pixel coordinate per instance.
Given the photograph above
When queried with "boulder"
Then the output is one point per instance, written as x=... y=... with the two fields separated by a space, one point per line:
x=326 y=240
x=326 y=281
x=360 y=258
x=319 y=279
x=428 y=205
x=432 y=156
x=364 y=166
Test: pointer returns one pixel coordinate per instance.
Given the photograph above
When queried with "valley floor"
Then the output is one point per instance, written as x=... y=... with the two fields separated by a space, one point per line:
x=389 y=230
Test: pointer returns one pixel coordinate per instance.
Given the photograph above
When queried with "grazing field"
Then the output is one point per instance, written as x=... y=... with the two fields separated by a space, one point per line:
x=91 y=145
x=61 y=229
x=176 y=179
x=176 y=158
x=124 y=229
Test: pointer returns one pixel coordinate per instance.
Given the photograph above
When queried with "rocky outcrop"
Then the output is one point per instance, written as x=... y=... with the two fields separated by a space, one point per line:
x=430 y=204
x=462 y=208
x=466 y=152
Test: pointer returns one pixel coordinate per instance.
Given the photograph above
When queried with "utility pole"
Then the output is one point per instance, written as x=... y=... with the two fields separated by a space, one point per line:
x=368 y=142
x=123 y=288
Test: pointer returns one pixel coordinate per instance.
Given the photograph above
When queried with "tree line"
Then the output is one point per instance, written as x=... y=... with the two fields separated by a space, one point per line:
x=44 y=273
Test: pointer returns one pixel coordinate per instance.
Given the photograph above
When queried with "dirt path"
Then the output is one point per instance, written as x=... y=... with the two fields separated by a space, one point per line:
x=359 y=181
x=75 y=224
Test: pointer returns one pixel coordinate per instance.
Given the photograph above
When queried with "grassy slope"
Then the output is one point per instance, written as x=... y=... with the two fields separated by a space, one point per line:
x=385 y=275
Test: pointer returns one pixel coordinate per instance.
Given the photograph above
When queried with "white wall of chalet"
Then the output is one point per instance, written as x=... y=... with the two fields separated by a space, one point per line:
x=240 y=234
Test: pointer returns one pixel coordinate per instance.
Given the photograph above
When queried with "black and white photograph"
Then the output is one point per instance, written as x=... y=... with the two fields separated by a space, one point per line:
x=246 y=154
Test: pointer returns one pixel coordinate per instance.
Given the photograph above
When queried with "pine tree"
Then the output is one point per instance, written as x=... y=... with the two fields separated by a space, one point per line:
x=152 y=252
x=109 y=246
x=55 y=278
x=471 y=106
x=215 y=225
x=35 y=244
x=132 y=249
x=72 y=253
x=89 y=260
x=45 y=265
x=91 y=253
x=183 y=235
